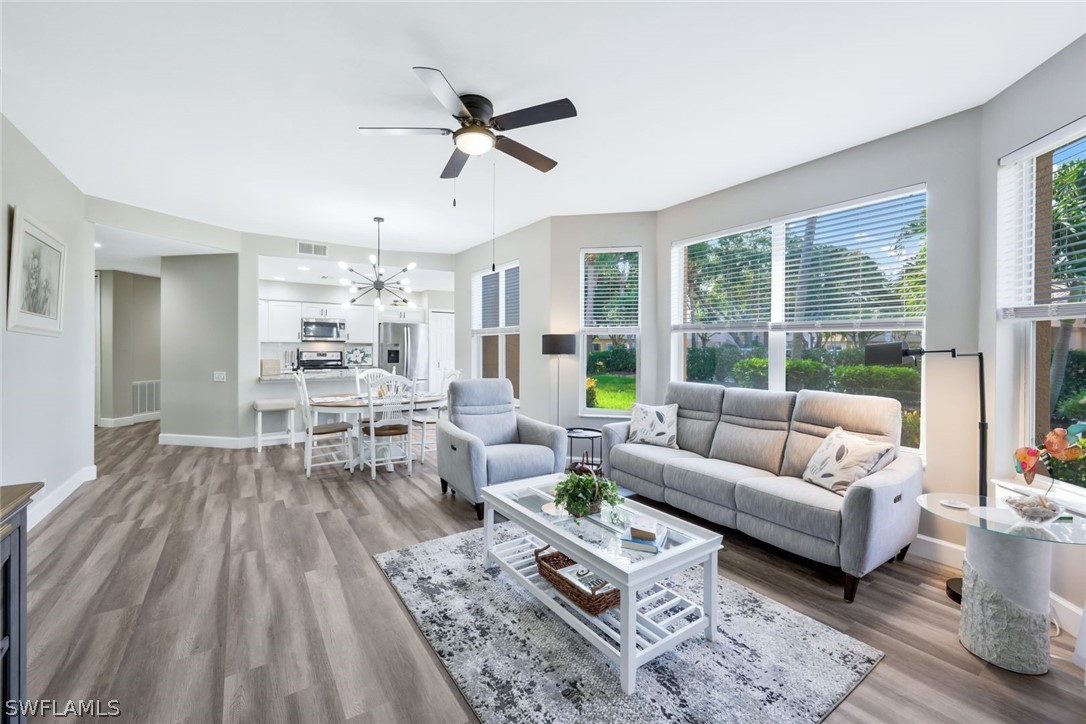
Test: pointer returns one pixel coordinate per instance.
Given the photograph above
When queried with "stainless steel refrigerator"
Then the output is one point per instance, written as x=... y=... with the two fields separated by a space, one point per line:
x=403 y=349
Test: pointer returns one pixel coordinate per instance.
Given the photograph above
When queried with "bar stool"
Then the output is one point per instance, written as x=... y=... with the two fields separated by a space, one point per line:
x=273 y=405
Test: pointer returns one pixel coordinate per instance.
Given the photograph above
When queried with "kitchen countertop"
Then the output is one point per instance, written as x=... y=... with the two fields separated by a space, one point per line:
x=311 y=376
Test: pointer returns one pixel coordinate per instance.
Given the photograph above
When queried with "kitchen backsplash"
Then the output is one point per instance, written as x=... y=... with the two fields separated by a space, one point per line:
x=358 y=355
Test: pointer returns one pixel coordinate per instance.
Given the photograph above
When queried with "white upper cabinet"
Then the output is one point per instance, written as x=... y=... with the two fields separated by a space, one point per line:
x=401 y=314
x=322 y=311
x=262 y=320
x=284 y=322
x=360 y=324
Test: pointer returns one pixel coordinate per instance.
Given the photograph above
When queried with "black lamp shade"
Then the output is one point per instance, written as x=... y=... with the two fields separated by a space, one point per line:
x=559 y=344
x=889 y=353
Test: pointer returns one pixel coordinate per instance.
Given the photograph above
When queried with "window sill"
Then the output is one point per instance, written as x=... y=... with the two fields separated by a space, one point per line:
x=606 y=414
x=1071 y=497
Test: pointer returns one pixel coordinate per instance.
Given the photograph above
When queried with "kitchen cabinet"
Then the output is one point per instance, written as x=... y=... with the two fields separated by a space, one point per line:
x=402 y=314
x=14 y=500
x=284 y=321
x=323 y=311
x=262 y=320
x=360 y=328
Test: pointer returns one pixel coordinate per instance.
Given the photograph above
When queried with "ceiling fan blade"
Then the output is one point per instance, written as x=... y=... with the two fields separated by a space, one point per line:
x=442 y=89
x=543 y=113
x=519 y=151
x=455 y=164
x=385 y=131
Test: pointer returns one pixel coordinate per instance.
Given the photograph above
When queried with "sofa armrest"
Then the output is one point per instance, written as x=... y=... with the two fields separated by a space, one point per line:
x=614 y=434
x=880 y=515
x=534 y=432
x=461 y=460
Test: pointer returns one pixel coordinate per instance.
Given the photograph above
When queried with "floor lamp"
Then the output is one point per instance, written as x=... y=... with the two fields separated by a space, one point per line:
x=895 y=353
x=559 y=344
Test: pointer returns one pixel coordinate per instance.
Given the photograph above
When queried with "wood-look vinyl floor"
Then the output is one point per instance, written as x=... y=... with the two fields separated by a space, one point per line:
x=200 y=585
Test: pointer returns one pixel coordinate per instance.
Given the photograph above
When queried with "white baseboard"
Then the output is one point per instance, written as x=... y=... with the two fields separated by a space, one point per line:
x=1067 y=613
x=228 y=443
x=44 y=506
x=130 y=420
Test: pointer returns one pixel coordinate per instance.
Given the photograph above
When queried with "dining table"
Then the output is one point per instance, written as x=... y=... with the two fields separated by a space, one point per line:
x=352 y=404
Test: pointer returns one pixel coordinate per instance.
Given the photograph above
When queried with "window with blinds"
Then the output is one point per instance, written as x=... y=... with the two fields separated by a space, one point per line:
x=495 y=299
x=723 y=283
x=610 y=329
x=1042 y=232
x=859 y=267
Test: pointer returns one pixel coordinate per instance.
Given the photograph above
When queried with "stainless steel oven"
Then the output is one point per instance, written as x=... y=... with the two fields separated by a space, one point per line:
x=324 y=330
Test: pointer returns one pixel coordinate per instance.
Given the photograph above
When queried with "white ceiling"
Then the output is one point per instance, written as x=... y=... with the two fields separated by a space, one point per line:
x=306 y=271
x=130 y=251
x=244 y=115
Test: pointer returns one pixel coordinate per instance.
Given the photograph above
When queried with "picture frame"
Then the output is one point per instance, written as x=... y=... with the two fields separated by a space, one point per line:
x=360 y=355
x=36 y=278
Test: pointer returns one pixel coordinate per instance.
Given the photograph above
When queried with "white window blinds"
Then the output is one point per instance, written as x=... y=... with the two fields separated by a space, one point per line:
x=495 y=299
x=723 y=283
x=858 y=267
x=610 y=289
x=1042 y=232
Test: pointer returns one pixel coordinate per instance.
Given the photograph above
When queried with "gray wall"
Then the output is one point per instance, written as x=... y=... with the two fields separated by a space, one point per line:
x=1051 y=96
x=199 y=336
x=131 y=345
x=48 y=382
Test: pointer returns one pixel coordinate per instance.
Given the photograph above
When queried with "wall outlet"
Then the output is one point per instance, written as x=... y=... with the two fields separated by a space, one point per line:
x=218 y=376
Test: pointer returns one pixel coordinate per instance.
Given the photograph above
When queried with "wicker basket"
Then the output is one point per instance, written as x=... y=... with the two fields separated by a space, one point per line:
x=593 y=603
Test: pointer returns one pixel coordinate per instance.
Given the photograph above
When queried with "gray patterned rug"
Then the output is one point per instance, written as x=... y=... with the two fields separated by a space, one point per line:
x=515 y=661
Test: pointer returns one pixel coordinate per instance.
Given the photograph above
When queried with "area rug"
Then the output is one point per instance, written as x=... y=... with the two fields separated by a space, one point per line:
x=515 y=661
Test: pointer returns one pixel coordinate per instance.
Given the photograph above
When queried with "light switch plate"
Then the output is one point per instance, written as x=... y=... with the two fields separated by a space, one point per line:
x=218 y=376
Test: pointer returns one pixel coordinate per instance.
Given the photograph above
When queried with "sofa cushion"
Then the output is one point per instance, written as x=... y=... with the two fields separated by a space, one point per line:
x=817 y=413
x=842 y=459
x=516 y=460
x=653 y=425
x=792 y=503
x=485 y=409
x=753 y=428
x=645 y=461
x=709 y=479
x=699 y=412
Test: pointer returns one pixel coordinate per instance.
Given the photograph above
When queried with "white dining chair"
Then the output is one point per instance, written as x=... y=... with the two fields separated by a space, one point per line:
x=329 y=444
x=391 y=404
x=427 y=417
x=362 y=378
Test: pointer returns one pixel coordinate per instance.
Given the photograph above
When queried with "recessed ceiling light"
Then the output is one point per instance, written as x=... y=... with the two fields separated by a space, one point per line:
x=279 y=279
x=97 y=245
x=303 y=268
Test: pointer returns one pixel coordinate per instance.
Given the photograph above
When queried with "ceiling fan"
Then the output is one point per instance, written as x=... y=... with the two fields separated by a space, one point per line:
x=478 y=125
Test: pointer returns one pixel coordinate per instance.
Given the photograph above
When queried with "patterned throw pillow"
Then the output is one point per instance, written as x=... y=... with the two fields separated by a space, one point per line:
x=654 y=425
x=842 y=459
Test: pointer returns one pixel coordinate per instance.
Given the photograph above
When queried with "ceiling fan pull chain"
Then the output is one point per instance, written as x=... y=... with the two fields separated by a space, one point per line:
x=493 y=216
x=454 y=193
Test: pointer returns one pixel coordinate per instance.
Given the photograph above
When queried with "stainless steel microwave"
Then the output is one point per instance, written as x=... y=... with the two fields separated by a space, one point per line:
x=324 y=330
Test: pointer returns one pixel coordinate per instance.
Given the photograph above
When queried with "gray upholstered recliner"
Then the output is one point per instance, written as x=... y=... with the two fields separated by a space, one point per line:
x=485 y=441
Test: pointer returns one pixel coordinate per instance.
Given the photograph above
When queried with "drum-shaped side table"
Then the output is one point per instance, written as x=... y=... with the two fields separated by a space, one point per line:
x=1007 y=579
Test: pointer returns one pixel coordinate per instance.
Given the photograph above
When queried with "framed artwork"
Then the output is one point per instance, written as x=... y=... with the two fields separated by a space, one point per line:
x=360 y=355
x=35 y=278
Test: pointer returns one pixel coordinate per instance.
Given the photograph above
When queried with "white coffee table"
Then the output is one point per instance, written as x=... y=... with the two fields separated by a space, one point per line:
x=643 y=628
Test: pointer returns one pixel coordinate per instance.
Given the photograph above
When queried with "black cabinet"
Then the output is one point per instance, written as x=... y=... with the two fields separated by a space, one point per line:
x=14 y=500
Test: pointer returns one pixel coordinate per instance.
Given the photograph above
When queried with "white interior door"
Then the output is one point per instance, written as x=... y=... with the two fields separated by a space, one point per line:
x=442 y=350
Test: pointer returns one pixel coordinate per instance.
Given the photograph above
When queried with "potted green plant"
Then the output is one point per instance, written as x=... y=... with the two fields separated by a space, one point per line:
x=584 y=493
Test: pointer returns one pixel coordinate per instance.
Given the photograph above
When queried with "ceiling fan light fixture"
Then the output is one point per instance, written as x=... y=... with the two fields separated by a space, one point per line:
x=474 y=140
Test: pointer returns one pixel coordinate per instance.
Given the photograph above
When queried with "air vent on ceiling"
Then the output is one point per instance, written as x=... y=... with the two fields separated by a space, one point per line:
x=308 y=248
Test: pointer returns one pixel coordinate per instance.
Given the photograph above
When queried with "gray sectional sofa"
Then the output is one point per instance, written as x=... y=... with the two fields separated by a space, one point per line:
x=740 y=463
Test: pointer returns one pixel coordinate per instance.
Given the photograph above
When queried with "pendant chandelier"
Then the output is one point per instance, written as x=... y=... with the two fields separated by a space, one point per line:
x=378 y=283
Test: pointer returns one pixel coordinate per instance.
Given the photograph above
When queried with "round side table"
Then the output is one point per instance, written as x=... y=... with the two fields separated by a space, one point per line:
x=1007 y=576
x=585 y=433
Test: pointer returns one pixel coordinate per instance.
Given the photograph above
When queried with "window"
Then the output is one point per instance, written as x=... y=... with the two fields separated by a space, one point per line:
x=1042 y=239
x=495 y=323
x=791 y=304
x=610 y=329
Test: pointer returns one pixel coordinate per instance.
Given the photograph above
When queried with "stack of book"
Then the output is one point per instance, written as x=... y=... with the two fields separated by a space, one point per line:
x=645 y=534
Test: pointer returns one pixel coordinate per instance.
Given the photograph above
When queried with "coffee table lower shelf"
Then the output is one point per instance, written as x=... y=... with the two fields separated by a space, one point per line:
x=663 y=620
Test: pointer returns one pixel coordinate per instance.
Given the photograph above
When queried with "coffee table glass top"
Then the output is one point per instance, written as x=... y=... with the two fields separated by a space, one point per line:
x=602 y=531
x=982 y=514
